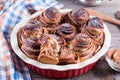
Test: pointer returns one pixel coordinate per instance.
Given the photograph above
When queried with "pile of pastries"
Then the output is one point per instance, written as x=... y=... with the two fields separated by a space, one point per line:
x=114 y=55
x=56 y=38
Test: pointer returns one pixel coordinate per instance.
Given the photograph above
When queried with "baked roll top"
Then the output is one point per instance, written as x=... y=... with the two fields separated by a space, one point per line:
x=77 y=17
x=50 y=18
x=95 y=30
x=29 y=38
x=67 y=31
x=83 y=46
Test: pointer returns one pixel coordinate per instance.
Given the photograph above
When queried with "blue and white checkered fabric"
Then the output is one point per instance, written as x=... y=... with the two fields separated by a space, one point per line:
x=11 y=67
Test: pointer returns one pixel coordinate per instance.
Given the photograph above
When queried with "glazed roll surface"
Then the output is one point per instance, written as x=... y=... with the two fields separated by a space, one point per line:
x=29 y=38
x=95 y=30
x=83 y=46
x=67 y=31
x=68 y=57
x=50 y=18
x=77 y=17
x=60 y=39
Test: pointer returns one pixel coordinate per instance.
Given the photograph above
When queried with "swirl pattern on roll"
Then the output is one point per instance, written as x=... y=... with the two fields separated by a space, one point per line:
x=77 y=17
x=50 y=18
x=68 y=57
x=83 y=46
x=49 y=50
x=61 y=41
x=67 y=31
x=57 y=38
x=95 y=30
x=29 y=38
x=114 y=55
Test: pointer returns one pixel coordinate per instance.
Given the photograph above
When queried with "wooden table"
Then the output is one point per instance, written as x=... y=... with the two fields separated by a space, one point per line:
x=101 y=71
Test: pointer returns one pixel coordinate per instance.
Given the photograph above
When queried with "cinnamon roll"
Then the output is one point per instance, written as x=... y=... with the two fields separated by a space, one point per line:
x=77 y=17
x=67 y=31
x=29 y=38
x=49 y=50
x=83 y=46
x=50 y=18
x=61 y=40
x=31 y=47
x=114 y=55
x=56 y=38
x=95 y=30
x=32 y=29
x=67 y=57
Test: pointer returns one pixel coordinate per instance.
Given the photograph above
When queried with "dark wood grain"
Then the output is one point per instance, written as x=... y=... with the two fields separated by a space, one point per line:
x=101 y=71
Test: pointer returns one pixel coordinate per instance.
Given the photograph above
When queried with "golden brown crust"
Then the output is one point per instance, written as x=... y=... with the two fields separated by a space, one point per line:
x=61 y=41
x=95 y=30
x=83 y=46
x=50 y=49
x=67 y=31
x=67 y=57
x=50 y=18
x=114 y=55
x=47 y=59
x=29 y=38
x=80 y=41
x=55 y=38
x=30 y=52
x=77 y=17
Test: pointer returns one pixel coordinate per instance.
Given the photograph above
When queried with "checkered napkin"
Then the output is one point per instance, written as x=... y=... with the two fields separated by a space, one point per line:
x=11 y=67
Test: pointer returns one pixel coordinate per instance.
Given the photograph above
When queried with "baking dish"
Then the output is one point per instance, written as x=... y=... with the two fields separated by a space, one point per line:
x=58 y=71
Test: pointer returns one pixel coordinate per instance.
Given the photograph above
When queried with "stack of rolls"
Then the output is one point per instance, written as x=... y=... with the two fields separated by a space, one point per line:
x=29 y=38
x=56 y=38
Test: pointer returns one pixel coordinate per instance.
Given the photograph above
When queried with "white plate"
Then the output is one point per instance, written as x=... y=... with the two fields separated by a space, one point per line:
x=96 y=57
